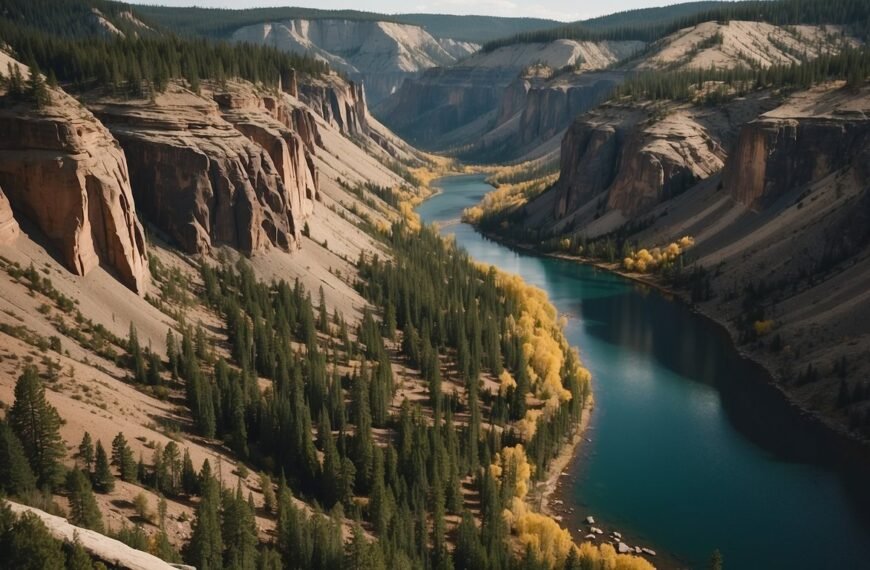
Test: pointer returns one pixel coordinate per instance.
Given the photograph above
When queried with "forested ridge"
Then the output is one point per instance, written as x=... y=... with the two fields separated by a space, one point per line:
x=853 y=14
x=63 y=38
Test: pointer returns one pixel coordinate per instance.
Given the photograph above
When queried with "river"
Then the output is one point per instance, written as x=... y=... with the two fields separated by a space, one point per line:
x=690 y=449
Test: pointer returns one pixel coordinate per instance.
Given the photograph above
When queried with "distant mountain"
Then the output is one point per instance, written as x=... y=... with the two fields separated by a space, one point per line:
x=221 y=23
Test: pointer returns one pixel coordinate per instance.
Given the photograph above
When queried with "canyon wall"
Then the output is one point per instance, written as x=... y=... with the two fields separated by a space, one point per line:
x=380 y=54
x=634 y=159
x=203 y=182
x=64 y=172
x=339 y=102
x=777 y=154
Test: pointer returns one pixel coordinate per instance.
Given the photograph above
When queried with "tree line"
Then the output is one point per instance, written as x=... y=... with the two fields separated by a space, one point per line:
x=853 y=14
x=137 y=63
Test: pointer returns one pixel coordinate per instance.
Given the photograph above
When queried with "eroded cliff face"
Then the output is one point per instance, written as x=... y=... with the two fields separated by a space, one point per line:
x=630 y=159
x=776 y=154
x=380 y=54
x=341 y=103
x=279 y=129
x=429 y=108
x=8 y=226
x=62 y=170
x=471 y=100
x=201 y=180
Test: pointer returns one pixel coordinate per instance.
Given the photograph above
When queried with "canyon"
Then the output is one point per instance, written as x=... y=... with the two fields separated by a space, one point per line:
x=247 y=199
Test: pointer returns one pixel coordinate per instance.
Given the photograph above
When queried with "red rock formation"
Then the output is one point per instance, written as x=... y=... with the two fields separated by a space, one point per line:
x=8 y=226
x=62 y=170
x=199 y=179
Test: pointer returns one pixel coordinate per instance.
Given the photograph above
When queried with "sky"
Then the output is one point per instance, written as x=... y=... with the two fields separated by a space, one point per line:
x=564 y=10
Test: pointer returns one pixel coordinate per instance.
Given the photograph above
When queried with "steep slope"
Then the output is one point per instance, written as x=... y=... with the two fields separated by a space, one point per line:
x=745 y=44
x=64 y=172
x=381 y=54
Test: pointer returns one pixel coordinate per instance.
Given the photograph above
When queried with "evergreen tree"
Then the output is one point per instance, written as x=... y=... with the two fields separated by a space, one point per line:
x=83 y=507
x=78 y=558
x=137 y=359
x=16 y=476
x=122 y=458
x=239 y=532
x=104 y=481
x=37 y=425
x=189 y=479
x=205 y=549
x=268 y=492
x=86 y=453
x=37 y=92
x=27 y=545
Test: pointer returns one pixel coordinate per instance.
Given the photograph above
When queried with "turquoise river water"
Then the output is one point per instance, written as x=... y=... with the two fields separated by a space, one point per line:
x=690 y=449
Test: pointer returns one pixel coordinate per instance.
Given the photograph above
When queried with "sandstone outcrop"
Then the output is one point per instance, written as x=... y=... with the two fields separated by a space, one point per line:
x=199 y=179
x=8 y=226
x=62 y=170
x=272 y=124
x=341 y=103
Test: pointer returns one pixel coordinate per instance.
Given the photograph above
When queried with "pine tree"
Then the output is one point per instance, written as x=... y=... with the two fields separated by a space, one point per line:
x=323 y=315
x=268 y=493
x=29 y=546
x=86 y=453
x=239 y=532
x=189 y=479
x=205 y=549
x=15 y=82
x=104 y=481
x=330 y=481
x=154 y=366
x=78 y=558
x=172 y=354
x=16 y=477
x=137 y=360
x=123 y=459
x=83 y=507
x=37 y=92
x=37 y=425
x=362 y=441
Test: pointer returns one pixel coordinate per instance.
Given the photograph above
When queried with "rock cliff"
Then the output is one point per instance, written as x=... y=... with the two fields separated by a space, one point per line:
x=636 y=161
x=341 y=103
x=62 y=170
x=778 y=153
x=473 y=100
x=202 y=181
x=380 y=54
x=289 y=135
x=8 y=226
